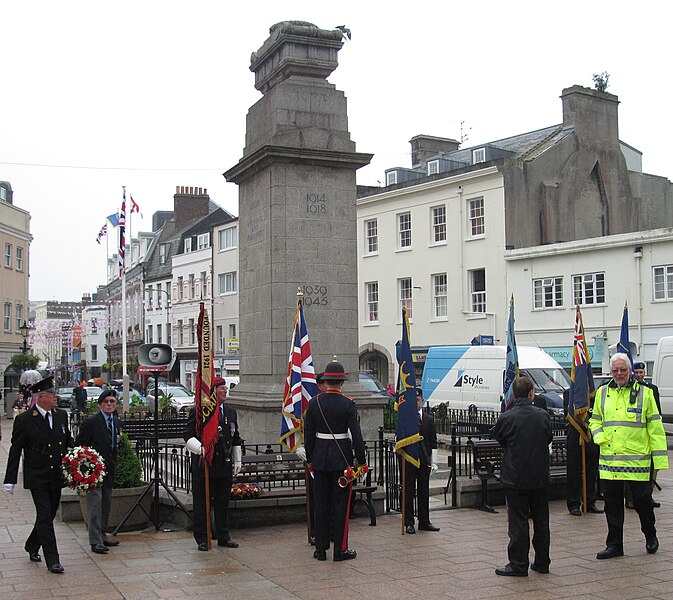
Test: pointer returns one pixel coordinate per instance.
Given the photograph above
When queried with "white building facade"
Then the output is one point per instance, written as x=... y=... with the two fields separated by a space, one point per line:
x=225 y=298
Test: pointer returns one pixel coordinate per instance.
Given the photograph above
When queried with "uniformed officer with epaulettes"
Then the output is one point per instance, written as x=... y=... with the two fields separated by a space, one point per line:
x=42 y=434
x=329 y=418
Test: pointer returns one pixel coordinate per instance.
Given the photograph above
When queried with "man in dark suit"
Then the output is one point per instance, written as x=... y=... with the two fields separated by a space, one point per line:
x=524 y=432
x=101 y=432
x=417 y=480
x=225 y=466
x=43 y=436
x=329 y=417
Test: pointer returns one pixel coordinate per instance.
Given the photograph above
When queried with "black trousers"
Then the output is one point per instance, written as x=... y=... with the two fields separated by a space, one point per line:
x=521 y=503
x=46 y=500
x=613 y=491
x=574 y=470
x=330 y=499
x=416 y=483
x=220 y=490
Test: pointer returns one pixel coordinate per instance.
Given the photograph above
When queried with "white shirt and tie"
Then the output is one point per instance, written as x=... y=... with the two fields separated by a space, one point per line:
x=47 y=415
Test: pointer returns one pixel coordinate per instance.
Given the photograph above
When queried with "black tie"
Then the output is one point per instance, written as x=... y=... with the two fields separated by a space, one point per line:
x=48 y=417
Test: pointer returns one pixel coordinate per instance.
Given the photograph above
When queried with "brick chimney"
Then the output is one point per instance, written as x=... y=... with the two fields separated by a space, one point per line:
x=425 y=146
x=189 y=204
x=593 y=114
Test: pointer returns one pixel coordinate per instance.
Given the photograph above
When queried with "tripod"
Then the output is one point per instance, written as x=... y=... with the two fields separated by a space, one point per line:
x=156 y=480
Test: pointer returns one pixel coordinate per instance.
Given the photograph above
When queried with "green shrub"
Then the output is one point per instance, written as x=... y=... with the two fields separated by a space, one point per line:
x=128 y=468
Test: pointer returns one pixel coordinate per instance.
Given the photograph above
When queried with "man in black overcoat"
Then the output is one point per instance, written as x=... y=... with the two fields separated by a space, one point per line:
x=329 y=417
x=101 y=432
x=225 y=466
x=524 y=432
x=417 y=480
x=42 y=434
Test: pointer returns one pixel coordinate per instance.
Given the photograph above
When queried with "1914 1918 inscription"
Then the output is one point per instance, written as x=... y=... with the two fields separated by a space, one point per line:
x=315 y=295
x=316 y=204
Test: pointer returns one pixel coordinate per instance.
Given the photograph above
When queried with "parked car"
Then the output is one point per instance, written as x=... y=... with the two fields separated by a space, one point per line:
x=181 y=399
x=373 y=385
x=64 y=396
x=93 y=391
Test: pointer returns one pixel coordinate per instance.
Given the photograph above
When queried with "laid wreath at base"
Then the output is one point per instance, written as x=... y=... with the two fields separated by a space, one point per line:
x=83 y=469
x=242 y=491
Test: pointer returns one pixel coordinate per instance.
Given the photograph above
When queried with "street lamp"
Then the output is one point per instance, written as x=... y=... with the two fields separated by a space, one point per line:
x=25 y=332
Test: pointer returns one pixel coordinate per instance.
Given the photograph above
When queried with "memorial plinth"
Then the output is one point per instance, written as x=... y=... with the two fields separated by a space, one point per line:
x=297 y=226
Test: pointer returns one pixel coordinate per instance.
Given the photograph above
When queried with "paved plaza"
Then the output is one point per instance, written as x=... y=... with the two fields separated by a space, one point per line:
x=276 y=562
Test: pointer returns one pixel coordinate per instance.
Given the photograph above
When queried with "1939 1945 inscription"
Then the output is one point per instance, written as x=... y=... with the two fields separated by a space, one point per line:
x=315 y=295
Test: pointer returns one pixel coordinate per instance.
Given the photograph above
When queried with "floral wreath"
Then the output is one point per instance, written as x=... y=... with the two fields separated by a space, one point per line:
x=83 y=469
x=239 y=491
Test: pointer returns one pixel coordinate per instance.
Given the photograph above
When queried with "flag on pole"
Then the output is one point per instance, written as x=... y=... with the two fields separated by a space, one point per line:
x=407 y=432
x=582 y=387
x=512 y=358
x=207 y=415
x=114 y=219
x=102 y=233
x=121 y=252
x=624 y=345
x=135 y=208
x=300 y=385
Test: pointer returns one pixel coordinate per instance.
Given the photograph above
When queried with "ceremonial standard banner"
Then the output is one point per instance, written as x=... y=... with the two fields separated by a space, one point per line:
x=407 y=432
x=206 y=414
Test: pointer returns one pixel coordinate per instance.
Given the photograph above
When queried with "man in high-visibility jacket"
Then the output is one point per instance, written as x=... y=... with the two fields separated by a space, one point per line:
x=627 y=427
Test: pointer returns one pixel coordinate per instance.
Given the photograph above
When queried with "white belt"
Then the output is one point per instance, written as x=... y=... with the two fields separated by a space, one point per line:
x=330 y=436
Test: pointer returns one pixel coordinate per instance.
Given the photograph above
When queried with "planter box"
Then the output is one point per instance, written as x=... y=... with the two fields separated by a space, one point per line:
x=122 y=501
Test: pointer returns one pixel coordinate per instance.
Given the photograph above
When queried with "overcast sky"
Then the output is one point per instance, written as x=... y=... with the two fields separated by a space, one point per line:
x=154 y=94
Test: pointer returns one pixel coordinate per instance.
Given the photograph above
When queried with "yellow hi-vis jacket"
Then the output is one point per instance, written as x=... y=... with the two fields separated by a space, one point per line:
x=627 y=426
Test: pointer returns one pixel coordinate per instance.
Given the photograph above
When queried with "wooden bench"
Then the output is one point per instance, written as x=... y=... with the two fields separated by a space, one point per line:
x=284 y=476
x=487 y=463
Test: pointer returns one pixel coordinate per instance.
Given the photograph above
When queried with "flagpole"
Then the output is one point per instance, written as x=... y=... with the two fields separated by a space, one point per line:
x=584 y=474
x=124 y=333
x=403 y=493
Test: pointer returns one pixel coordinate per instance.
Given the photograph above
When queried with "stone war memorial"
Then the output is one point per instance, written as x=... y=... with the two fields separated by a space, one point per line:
x=297 y=226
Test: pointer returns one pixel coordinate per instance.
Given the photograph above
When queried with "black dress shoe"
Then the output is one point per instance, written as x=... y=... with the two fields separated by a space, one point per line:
x=652 y=545
x=203 y=546
x=56 y=568
x=539 y=568
x=575 y=511
x=34 y=557
x=428 y=527
x=595 y=510
x=320 y=554
x=655 y=504
x=99 y=549
x=110 y=543
x=410 y=529
x=312 y=541
x=629 y=505
x=509 y=571
x=228 y=543
x=610 y=552
x=345 y=555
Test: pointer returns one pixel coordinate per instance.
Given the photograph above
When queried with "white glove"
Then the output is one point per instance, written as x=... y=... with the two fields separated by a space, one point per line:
x=194 y=446
x=301 y=453
x=9 y=487
x=237 y=457
x=434 y=466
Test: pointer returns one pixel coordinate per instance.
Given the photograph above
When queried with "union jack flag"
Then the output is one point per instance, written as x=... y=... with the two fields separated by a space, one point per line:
x=582 y=387
x=102 y=233
x=300 y=385
x=122 y=237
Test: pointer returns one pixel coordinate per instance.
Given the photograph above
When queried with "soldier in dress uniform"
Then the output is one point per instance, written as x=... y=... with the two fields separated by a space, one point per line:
x=329 y=451
x=42 y=434
x=225 y=466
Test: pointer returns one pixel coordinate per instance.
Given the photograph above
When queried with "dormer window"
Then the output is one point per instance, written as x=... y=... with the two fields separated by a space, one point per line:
x=433 y=167
x=391 y=177
x=188 y=245
x=478 y=155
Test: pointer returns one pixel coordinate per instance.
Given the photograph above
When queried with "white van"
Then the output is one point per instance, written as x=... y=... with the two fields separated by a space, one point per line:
x=662 y=377
x=460 y=376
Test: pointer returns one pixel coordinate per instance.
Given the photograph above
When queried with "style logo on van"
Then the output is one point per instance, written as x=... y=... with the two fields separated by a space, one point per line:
x=475 y=381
